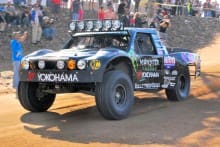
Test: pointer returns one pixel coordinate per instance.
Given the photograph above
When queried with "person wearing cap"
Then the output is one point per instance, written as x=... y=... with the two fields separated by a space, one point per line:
x=36 y=13
x=17 y=54
x=48 y=30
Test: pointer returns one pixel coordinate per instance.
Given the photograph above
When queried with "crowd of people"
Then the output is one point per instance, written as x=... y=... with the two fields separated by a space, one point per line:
x=24 y=15
x=206 y=8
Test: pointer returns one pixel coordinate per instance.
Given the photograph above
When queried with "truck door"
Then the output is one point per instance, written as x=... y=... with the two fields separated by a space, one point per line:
x=148 y=63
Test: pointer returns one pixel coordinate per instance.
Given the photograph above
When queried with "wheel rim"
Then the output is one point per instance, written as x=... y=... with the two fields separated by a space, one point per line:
x=120 y=95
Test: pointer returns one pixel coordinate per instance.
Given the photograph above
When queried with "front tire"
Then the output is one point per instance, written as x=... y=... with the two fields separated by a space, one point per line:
x=115 y=96
x=32 y=99
x=182 y=88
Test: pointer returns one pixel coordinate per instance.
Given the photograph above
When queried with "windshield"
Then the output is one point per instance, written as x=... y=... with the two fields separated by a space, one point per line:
x=99 y=41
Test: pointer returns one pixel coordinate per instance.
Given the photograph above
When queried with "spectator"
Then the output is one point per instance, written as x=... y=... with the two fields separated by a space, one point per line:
x=48 y=30
x=189 y=8
x=163 y=26
x=126 y=17
x=207 y=8
x=101 y=13
x=2 y=23
x=17 y=54
x=81 y=13
x=56 y=7
x=153 y=24
x=131 y=20
x=138 y=20
x=75 y=9
x=179 y=7
x=121 y=8
x=36 y=26
x=9 y=13
x=109 y=12
x=26 y=17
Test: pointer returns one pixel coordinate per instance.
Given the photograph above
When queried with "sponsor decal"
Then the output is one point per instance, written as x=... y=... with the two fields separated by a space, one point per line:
x=169 y=62
x=147 y=86
x=95 y=64
x=188 y=57
x=149 y=68
x=30 y=76
x=150 y=74
x=141 y=74
x=167 y=82
x=169 y=78
x=57 y=77
x=149 y=62
x=174 y=73
x=160 y=52
x=172 y=84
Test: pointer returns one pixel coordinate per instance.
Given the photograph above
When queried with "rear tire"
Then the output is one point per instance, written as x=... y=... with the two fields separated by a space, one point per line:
x=182 y=88
x=32 y=99
x=115 y=95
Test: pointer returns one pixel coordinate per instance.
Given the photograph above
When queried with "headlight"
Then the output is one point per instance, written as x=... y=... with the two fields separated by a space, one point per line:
x=25 y=64
x=60 y=64
x=81 y=64
x=167 y=72
x=41 y=64
x=71 y=64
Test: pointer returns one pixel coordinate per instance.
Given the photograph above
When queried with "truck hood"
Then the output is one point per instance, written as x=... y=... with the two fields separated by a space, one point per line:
x=66 y=54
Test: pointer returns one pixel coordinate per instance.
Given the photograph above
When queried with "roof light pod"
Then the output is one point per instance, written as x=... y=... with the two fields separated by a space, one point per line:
x=107 y=25
x=72 y=26
x=89 y=25
x=116 y=25
x=80 y=25
x=98 y=25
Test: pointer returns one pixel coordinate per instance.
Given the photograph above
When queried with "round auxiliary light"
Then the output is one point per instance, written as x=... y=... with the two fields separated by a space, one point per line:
x=89 y=25
x=60 y=64
x=72 y=26
x=107 y=24
x=80 y=25
x=25 y=64
x=41 y=64
x=167 y=72
x=116 y=24
x=71 y=64
x=98 y=25
x=81 y=64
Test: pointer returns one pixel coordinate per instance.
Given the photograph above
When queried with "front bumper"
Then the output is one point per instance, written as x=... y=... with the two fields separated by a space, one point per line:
x=61 y=76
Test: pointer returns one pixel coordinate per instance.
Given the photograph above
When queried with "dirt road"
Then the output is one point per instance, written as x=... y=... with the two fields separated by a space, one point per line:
x=74 y=120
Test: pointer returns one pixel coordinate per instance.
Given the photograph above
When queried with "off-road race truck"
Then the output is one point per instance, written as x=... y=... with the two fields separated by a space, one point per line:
x=104 y=59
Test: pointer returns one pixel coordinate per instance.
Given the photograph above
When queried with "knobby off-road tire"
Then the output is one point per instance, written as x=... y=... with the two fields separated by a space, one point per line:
x=32 y=99
x=182 y=87
x=115 y=95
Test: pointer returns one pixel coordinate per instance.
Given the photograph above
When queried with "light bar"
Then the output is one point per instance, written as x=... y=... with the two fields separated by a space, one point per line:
x=96 y=25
